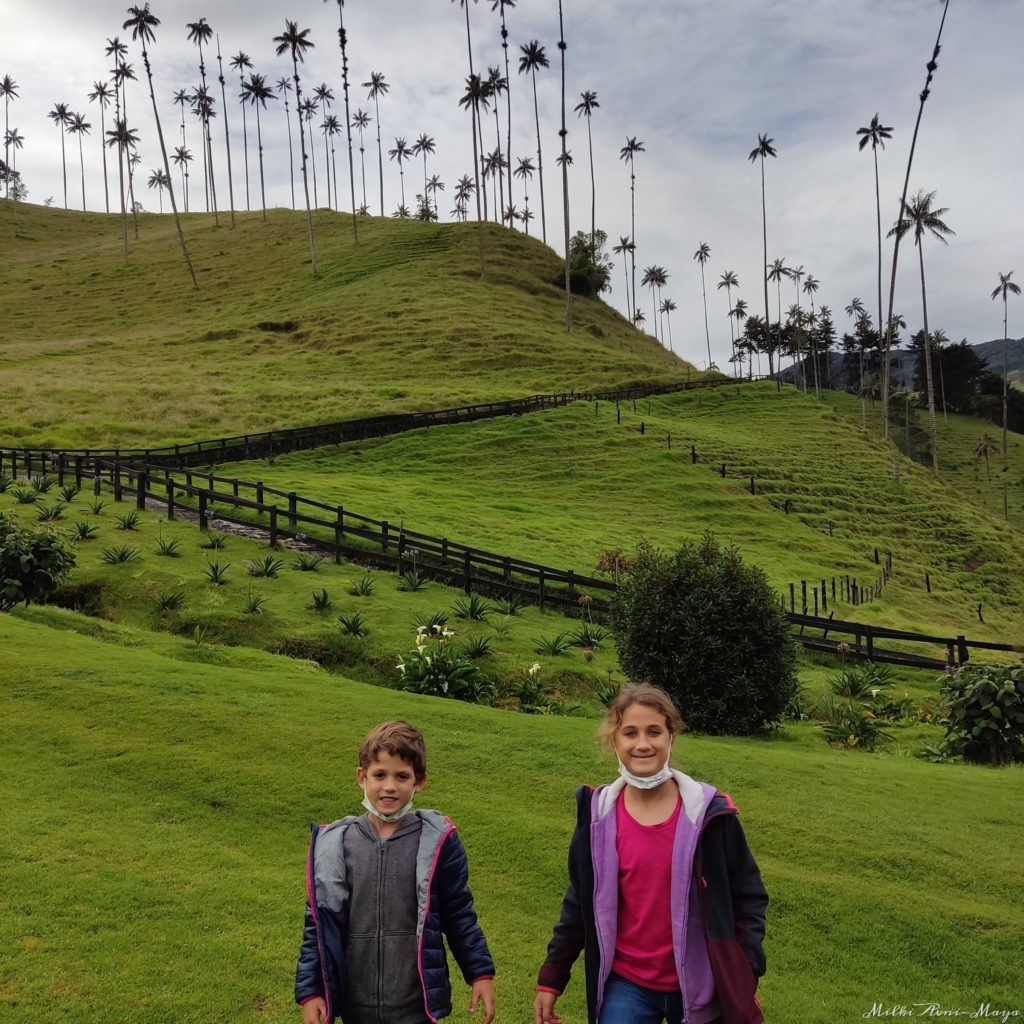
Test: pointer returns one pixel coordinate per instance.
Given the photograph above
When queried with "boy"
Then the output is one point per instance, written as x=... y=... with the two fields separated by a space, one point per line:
x=381 y=890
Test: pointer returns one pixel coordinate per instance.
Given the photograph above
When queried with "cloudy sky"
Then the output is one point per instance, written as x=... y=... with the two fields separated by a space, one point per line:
x=694 y=80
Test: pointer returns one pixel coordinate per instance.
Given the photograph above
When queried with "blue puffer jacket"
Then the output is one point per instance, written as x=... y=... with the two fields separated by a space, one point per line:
x=444 y=907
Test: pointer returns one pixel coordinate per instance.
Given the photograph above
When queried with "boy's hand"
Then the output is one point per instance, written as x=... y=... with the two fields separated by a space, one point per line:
x=483 y=990
x=544 y=1009
x=314 y=1011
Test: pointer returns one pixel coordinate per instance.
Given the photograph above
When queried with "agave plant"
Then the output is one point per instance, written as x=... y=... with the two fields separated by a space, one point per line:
x=170 y=601
x=266 y=568
x=119 y=555
x=353 y=624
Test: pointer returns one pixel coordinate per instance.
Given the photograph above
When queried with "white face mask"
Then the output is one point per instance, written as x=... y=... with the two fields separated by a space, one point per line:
x=396 y=816
x=647 y=781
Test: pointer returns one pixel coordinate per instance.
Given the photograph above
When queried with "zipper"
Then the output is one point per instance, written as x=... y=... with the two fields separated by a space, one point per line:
x=381 y=854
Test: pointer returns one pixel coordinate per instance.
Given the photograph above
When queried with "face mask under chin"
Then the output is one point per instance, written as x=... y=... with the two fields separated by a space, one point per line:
x=396 y=816
x=647 y=781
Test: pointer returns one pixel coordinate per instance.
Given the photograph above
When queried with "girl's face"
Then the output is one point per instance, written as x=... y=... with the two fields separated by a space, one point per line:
x=642 y=741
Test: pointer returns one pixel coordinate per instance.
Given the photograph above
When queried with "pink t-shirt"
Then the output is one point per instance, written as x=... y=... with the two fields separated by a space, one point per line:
x=644 y=952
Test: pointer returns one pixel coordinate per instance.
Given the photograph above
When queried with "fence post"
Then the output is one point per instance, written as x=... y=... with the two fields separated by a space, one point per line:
x=141 y=483
x=803 y=597
x=963 y=654
x=871 y=645
x=642 y=427
x=78 y=470
x=540 y=589
x=753 y=486
x=170 y=498
x=507 y=569
x=401 y=548
x=723 y=470
x=928 y=582
x=292 y=503
x=467 y=573
x=60 y=468
x=117 y=476
x=259 y=496
x=273 y=525
x=815 y=602
x=670 y=442
x=693 y=454
x=203 y=521
x=792 y=597
x=384 y=537
x=444 y=551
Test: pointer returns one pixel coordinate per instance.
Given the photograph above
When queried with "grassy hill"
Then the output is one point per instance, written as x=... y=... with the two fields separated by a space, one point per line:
x=96 y=353
x=153 y=820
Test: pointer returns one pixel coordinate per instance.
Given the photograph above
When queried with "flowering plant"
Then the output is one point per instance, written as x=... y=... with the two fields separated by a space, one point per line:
x=433 y=667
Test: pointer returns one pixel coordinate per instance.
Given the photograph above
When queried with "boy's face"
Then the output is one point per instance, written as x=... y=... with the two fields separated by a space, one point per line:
x=389 y=781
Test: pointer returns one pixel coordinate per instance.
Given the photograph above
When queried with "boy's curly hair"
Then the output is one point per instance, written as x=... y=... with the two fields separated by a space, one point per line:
x=399 y=739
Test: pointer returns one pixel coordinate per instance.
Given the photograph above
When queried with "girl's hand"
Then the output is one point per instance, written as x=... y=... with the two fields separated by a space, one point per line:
x=314 y=1011
x=544 y=1009
x=483 y=991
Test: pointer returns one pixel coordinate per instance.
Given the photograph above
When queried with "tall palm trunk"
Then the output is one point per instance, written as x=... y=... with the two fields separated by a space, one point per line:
x=1005 y=393
x=245 y=140
x=707 y=330
x=380 y=153
x=508 y=104
x=931 y=68
x=540 y=160
x=291 y=149
x=305 y=177
x=103 y=148
x=167 y=171
x=928 y=367
x=227 y=135
x=767 y=315
x=312 y=157
x=881 y=329
x=81 y=162
x=131 y=168
x=632 y=227
x=259 y=147
x=565 y=173
x=343 y=42
x=64 y=163
x=593 y=190
x=124 y=212
x=208 y=143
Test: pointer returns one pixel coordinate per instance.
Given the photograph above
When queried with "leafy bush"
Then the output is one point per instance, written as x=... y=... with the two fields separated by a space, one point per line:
x=43 y=483
x=411 y=582
x=588 y=636
x=434 y=667
x=431 y=623
x=50 y=513
x=69 y=492
x=217 y=573
x=25 y=495
x=254 y=604
x=983 y=707
x=266 y=568
x=476 y=647
x=510 y=605
x=708 y=629
x=363 y=587
x=215 y=541
x=322 y=600
x=119 y=555
x=170 y=601
x=552 y=646
x=32 y=565
x=850 y=723
x=862 y=681
x=474 y=607
x=530 y=692
x=97 y=506
x=353 y=624
x=168 y=548
x=83 y=531
x=309 y=563
x=129 y=521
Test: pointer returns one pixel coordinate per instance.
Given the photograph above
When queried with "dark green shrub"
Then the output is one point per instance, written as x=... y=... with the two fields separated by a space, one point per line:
x=708 y=629
x=32 y=565
x=983 y=707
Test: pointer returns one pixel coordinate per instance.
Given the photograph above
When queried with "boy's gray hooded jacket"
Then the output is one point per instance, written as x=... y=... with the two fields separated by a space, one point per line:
x=375 y=953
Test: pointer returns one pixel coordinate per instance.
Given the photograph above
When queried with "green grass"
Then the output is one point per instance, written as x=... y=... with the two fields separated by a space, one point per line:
x=155 y=799
x=561 y=487
x=403 y=322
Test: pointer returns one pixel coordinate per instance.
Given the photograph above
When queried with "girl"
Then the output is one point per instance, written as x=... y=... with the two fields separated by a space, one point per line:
x=664 y=897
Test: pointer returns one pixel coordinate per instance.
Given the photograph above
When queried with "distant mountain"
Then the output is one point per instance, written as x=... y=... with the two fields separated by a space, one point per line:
x=992 y=353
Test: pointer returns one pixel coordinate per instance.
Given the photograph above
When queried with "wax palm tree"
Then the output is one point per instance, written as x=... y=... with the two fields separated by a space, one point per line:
x=433 y=186
x=182 y=157
x=123 y=74
x=761 y=151
x=497 y=84
x=307 y=110
x=159 y=180
x=296 y=41
x=61 y=117
x=378 y=87
x=202 y=106
x=702 y=255
x=776 y=272
x=284 y=86
x=77 y=125
x=101 y=94
x=343 y=46
x=463 y=193
x=400 y=153
x=654 y=277
x=525 y=170
x=984 y=447
x=13 y=141
x=471 y=100
x=533 y=59
x=920 y=216
x=566 y=160
x=931 y=68
x=256 y=91
x=360 y=119
x=739 y=313
x=494 y=165
x=331 y=127
x=728 y=281
x=126 y=139
x=199 y=32
x=1005 y=288
x=241 y=63
x=626 y=248
x=142 y=23
x=500 y=5
x=667 y=308
x=811 y=286
x=9 y=91
x=877 y=134
x=227 y=134
x=628 y=153
x=639 y=318
x=324 y=96
x=585 y=108
x=116 y=49
x=424 y=146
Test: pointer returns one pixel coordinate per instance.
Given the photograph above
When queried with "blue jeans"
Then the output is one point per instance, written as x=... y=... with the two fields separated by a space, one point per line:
x=627 y=1003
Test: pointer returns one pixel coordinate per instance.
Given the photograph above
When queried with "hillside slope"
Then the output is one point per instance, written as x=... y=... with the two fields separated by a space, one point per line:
x=97 y=353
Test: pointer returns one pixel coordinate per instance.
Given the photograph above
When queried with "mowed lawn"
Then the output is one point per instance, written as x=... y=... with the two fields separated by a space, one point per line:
x=153 y=822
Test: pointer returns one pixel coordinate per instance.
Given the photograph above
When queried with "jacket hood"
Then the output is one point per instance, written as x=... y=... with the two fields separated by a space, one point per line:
x=696 y=796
